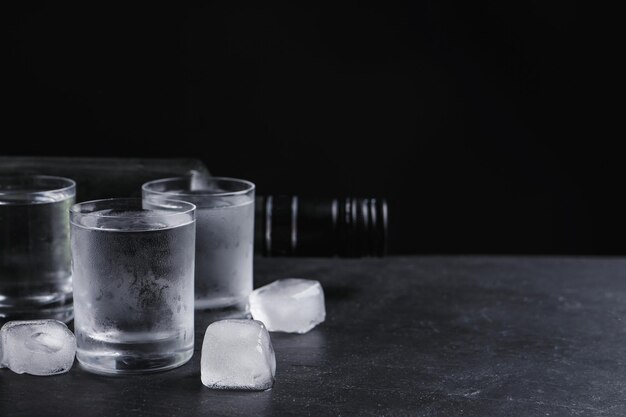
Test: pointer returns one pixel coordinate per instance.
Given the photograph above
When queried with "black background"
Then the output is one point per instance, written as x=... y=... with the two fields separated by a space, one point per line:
x=485 y=125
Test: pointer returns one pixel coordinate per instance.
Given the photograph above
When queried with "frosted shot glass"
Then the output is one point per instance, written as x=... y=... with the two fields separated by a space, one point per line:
x=35 y=260
x=224 y=238
x=133 y=269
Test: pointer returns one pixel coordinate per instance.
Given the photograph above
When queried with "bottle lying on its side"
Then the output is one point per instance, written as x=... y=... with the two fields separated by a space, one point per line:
x=284 y=225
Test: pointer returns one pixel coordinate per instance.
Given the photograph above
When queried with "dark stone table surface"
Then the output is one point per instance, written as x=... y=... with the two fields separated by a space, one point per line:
x=423 y=336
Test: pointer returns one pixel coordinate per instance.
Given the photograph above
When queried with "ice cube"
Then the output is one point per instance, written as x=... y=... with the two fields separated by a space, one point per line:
x=37 y=347
x=237 y=354
x=289 y=305
x=199 y=181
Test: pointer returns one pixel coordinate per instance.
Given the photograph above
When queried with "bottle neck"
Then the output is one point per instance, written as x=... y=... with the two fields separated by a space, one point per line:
x=306 y=226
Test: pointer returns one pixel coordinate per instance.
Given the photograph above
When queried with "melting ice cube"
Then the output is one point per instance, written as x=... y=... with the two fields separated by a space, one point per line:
x=37 y=347
x=237 y=354
x=290 y=305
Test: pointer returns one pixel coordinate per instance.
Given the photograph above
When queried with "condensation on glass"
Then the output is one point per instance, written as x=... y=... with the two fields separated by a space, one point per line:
x=133 y=266
x=224 y=240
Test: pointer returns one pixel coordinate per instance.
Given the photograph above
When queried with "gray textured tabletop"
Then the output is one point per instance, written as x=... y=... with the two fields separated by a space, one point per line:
x=449 y=336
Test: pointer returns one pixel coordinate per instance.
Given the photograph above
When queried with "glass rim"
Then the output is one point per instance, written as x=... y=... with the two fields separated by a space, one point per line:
x=70 y=184
x=250 y=187
x=190 y=207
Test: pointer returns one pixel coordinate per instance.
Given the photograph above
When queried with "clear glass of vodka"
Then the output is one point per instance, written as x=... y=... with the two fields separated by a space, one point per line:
x=35 y=260
x=224 y=239
x=133 y=268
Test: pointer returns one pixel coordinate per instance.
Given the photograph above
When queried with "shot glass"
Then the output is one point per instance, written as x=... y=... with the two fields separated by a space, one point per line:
x=224 y=239
x=133 y=269
x=35 y=259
